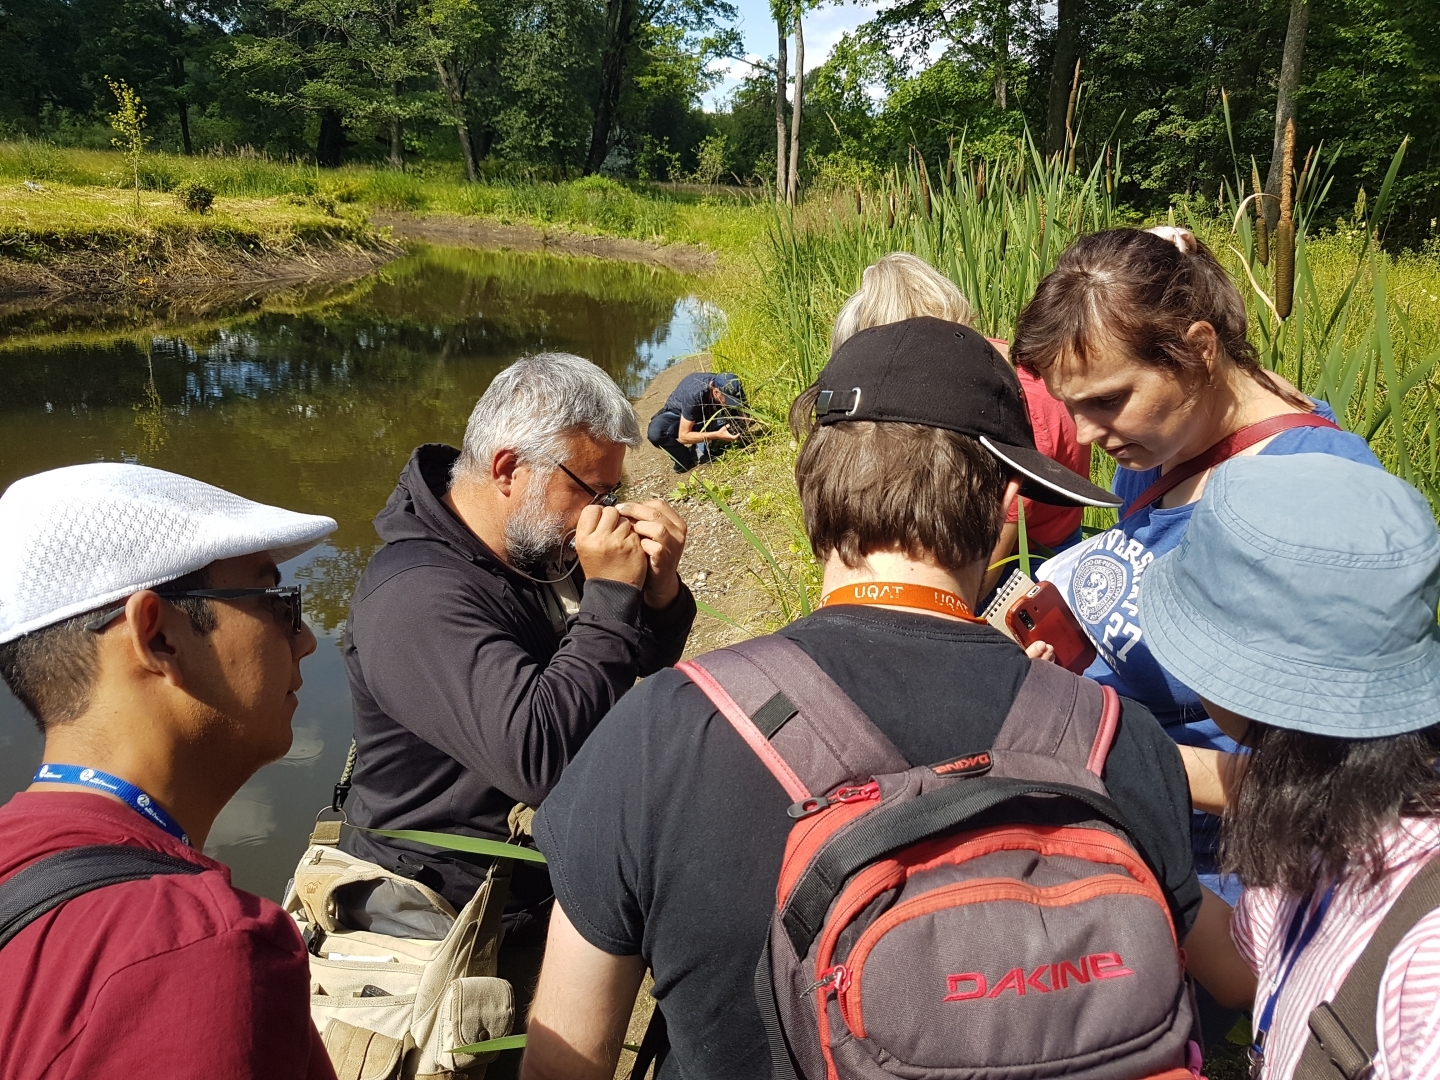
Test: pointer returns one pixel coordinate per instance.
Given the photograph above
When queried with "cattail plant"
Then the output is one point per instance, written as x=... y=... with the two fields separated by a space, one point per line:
x=1285 y=230
x=1262 y=230
x=925 y=186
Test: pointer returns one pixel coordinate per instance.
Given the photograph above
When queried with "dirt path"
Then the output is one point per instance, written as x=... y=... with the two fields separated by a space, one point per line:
x=455 y=231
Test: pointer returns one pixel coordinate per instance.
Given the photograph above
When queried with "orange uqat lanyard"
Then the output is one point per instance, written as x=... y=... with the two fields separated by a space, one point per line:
x=901 y=594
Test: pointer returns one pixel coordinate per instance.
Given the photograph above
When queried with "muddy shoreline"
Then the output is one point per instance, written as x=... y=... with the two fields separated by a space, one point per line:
x=199 y=280
x=454 y=231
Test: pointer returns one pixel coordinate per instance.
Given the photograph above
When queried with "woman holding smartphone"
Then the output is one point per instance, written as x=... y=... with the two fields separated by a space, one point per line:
x=1142 y=335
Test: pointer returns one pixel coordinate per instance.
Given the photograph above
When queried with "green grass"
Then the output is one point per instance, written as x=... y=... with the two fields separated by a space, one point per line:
x=57 y=219
x=726 y=221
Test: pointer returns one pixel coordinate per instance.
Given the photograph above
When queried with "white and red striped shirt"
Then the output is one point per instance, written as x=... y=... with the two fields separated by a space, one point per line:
x=1408 y=1011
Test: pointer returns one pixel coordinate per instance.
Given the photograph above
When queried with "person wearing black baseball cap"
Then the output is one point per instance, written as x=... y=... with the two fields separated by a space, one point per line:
x=665 y=835
x=944 y=375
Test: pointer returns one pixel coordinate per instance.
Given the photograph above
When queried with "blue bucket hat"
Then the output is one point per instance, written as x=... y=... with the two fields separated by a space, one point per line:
x=1303 y=596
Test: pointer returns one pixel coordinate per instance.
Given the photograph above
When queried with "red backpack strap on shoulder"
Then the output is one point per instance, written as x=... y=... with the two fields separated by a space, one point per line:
x=1059 y=729
x=1223 y=450
x=803 y=727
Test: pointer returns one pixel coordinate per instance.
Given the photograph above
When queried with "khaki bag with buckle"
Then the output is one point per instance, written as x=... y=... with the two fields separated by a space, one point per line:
x=398 y=978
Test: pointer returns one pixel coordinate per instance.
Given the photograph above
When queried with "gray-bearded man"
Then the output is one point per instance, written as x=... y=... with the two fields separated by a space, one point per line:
x=482 y=647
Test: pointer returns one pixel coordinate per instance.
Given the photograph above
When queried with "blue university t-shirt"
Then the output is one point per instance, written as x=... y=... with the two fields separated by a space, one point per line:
x=1101 y=579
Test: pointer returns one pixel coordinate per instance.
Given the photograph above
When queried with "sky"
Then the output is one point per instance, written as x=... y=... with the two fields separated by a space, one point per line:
x=823 y=28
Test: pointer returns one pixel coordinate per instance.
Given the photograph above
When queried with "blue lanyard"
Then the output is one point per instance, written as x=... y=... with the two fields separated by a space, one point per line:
x=1302 y=931
x=136 y=799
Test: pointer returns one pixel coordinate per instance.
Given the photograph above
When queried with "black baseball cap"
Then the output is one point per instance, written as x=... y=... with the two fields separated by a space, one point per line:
x=942 y=374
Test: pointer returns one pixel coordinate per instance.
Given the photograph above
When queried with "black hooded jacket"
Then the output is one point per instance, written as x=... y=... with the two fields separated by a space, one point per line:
x=467 y=700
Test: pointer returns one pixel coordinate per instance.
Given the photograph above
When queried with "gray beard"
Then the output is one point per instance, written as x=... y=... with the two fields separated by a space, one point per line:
x=534 y=536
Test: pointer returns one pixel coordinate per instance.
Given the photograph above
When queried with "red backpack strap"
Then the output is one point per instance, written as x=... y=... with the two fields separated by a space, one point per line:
x=805 y=729
x=1059 y=729
x=1226 y=448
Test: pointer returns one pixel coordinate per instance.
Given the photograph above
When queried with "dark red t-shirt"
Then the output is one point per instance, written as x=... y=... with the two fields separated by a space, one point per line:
x=173 y=977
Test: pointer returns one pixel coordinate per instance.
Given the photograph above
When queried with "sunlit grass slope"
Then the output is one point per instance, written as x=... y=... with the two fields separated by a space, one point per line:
x=284 y=192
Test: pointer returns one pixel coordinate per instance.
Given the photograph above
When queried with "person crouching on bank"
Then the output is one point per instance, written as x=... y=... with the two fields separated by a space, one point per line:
x=697 y=415
x=143 y=625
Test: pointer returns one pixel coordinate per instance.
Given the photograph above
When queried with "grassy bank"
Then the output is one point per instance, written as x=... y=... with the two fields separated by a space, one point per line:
x=56 y=201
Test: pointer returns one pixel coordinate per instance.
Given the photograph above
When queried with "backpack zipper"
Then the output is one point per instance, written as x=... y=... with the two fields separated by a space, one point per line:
x=863 y=793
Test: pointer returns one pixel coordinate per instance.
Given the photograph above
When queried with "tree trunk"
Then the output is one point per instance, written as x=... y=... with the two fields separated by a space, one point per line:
x=619 y=31
x=782 y=183
x=184 y=105
x=1002 y=59
x=455 y=92
x=1290 y=62
x=792 y=190
x=397 y=146
x=330 y=143
x=185 y=127
x=1067 y=48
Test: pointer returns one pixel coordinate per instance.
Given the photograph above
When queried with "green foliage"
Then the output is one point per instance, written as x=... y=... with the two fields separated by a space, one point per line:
x=710 y=159
x=996 y=228
x=1364 y=334
x=1352 y=337
x=129 y=121
x=194 y=196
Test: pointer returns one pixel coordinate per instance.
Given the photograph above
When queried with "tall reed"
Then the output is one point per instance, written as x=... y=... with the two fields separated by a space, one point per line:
x=1334 y=326
x=997 y=227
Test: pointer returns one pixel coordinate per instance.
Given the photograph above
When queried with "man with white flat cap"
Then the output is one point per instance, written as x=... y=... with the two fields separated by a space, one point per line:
x=144 y=626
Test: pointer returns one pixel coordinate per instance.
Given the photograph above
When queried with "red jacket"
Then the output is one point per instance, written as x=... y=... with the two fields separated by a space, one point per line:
x=172 y=977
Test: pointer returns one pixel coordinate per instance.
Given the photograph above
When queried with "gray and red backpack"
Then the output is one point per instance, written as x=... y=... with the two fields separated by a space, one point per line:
x=982 y=918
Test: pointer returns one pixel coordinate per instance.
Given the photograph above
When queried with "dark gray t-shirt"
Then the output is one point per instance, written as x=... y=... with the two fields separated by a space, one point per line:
x=665 y=834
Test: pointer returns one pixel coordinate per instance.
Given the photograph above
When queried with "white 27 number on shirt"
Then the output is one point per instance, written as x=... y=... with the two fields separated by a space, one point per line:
x=1117 y=625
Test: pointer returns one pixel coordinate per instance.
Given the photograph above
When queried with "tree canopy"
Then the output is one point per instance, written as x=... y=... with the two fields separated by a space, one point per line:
x=562 y=87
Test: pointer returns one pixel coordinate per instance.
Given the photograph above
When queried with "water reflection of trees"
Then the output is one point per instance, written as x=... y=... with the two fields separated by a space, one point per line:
x=319 y=410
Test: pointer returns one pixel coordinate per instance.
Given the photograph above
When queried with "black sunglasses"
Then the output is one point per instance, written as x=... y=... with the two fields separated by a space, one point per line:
x=597 y=498
x=283 y=600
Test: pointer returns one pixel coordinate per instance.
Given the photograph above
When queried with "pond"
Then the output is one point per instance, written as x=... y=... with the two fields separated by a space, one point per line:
x=313 y=401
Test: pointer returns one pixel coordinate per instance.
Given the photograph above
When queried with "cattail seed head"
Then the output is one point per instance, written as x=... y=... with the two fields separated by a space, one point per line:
x=1262 y=231
x=1287 y=173
x=1284 y=267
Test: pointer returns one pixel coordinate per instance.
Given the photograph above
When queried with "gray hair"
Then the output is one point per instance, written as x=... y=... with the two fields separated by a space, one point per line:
x=534 y=403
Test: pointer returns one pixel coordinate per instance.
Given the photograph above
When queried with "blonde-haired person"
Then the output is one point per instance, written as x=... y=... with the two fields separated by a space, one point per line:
x=903 y=286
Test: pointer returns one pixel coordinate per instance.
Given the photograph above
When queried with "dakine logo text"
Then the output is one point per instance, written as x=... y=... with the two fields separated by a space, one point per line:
x=1045 y=979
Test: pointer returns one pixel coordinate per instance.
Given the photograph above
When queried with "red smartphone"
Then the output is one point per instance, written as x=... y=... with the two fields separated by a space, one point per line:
x=1042 y=615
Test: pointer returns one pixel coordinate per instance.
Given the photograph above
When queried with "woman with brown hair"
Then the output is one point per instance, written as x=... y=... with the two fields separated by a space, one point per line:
x=1142 y=335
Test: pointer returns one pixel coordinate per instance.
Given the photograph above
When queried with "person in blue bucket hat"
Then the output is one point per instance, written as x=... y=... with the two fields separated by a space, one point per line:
x=1301 y=607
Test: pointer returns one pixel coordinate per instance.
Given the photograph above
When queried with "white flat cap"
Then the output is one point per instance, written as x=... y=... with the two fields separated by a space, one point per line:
x=78 y=538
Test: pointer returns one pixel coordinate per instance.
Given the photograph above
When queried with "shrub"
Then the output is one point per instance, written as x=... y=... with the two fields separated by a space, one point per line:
x=194 y=196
